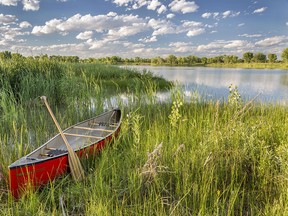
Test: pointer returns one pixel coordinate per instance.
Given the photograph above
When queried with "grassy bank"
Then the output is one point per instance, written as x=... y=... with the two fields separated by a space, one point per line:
x=174 y=158
x=28 y=79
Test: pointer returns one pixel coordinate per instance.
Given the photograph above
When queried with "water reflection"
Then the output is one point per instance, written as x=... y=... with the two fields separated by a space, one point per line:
x=212 y=83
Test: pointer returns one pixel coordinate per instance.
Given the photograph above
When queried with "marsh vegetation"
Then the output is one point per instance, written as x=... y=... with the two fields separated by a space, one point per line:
x=172 y=158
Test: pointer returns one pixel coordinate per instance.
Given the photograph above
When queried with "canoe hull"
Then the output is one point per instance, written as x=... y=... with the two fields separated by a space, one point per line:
x=31 y=176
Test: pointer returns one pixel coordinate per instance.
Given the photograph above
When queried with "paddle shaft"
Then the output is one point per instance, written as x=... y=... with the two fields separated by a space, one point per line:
x=74 y=162
x=55 y=121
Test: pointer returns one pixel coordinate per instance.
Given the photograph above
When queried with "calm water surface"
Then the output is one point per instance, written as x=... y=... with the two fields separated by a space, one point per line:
x=213 y=83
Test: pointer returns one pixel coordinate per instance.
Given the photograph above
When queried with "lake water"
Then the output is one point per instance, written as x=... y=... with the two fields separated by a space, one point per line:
x=213 y=83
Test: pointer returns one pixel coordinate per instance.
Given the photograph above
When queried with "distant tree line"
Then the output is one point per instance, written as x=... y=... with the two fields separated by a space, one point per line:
x=248 y=57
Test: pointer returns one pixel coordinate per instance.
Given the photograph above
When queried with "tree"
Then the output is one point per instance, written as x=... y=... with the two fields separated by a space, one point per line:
x=284 y=55
x=259 y=58
x=5 y=55
x=247 y=57
x=171 y=59
x=204 y=60
x=272 y=57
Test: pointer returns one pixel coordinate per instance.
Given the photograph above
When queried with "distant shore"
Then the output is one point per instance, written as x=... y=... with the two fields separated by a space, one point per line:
x=283 y=66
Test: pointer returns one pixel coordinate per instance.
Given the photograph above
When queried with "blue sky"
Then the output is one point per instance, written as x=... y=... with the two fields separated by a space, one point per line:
x=145 y=28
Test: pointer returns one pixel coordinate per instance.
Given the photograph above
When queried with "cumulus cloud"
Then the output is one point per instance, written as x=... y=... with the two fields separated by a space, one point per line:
x=112 y=14
x=162 y=9
x=195 y=32
x=126 y=31
x=122 y=2
x=48 y=28
x=183 y=6
x=170 y=16
x=162 y=27
x=9 y=36
x=277 y=40
x=85 y=35
x=7 y=19
x=27 y=4
x=260 y=10
x=9 y=2
x=99 y=23
x=25 y=24
x=31 y=5
x=153 y=5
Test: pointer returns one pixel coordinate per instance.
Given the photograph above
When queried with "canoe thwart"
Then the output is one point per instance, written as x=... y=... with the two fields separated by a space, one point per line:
x=84 y=136
x=93 y=129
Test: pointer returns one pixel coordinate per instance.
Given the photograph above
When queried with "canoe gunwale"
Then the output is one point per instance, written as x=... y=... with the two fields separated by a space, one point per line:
x=36 y=160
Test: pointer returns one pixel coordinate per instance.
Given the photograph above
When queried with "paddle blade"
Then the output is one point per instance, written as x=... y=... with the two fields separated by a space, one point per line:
x=75 y=166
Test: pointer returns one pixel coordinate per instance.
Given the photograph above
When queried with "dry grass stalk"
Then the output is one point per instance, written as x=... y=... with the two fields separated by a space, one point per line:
x=247 y=106
x=208 y=159
x=216 y=114
x=151 y=169
x=179 y=149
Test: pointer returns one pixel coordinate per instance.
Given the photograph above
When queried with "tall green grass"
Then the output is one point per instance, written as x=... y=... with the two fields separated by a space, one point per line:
x=174 y=158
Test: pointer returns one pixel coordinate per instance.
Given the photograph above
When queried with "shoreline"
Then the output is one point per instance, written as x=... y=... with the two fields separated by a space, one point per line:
x=280 y=66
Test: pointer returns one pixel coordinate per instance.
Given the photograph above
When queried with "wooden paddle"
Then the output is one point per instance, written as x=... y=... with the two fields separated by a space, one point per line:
x=76 y=168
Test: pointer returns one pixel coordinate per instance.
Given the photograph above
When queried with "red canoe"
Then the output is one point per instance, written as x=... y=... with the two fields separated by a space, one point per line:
x=51 y=159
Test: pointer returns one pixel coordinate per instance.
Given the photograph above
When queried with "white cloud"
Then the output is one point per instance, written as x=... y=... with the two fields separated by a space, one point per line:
x=25 y=24
x=260 y=10
x=85 y=35
x=31 y=5
x=181 y=47
x=7 y=19
x=286 y=23
x=9 y=2
x=112 y=14
x=48 y=28
x=195 y=32
x=153 y=5
x=230 y=14
x=170 y=16
x=241 y=24
x=182 y=6
x=206 y=15
x=250 y=35
x=191 y=24
x=235 y=45
x=218 y=15
x=126 y=31
x=99 y=23
x=162 y=9
x=122 y=2
x=162 y=27
x=9 y=36
x=148 y=39
x=277 y=40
